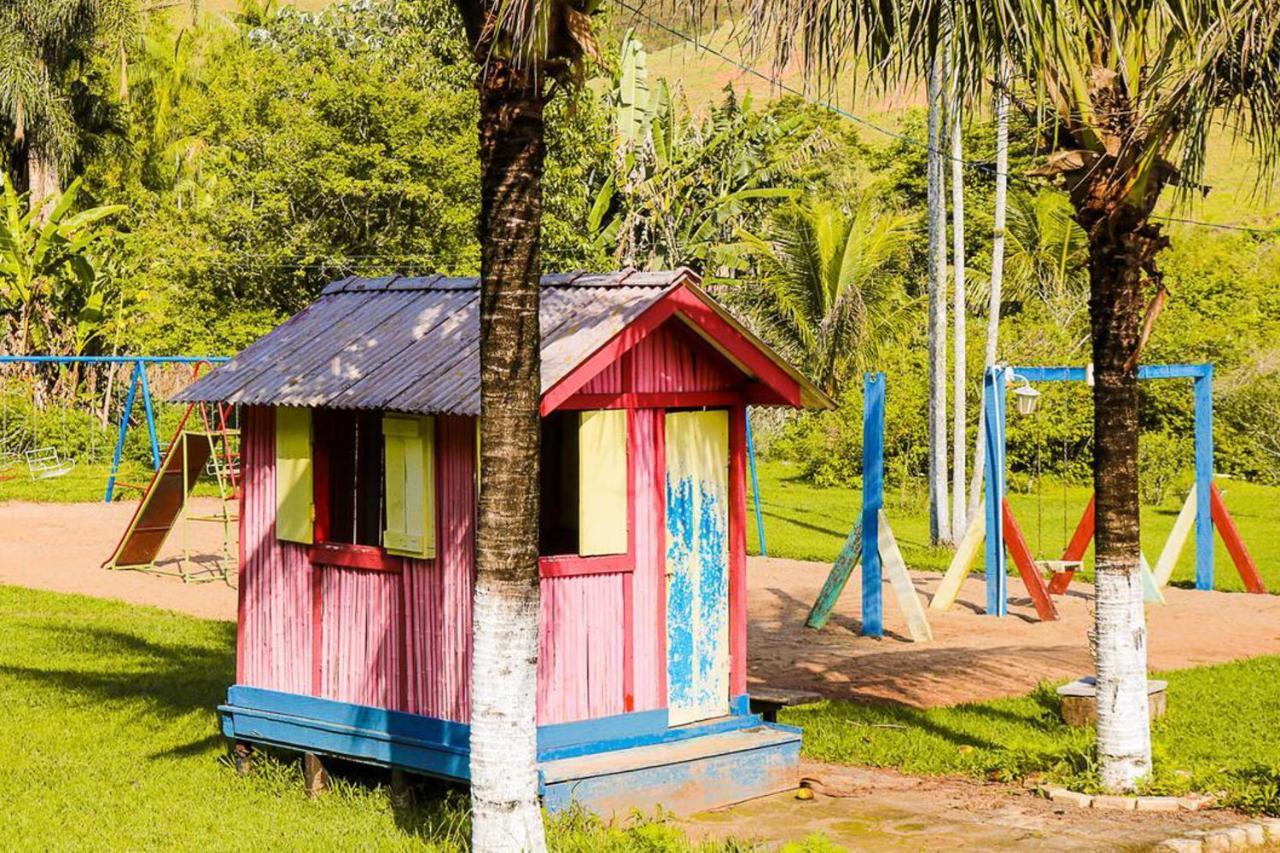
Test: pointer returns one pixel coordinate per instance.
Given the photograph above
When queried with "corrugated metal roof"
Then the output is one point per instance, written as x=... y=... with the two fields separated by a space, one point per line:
x=412 y=344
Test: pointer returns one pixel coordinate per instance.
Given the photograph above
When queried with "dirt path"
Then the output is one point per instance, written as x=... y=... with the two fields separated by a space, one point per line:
x=61 y=547
x=974 y=656
x=882 y=810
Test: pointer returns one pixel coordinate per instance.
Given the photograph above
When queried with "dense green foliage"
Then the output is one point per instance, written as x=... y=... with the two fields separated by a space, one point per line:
x=1210 y=739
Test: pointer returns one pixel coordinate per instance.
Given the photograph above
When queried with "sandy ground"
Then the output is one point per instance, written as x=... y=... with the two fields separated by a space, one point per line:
x=878 y=810
x=61 y=547
x=974 y=656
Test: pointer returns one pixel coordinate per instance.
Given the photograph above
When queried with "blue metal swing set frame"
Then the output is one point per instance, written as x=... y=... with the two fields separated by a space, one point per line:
x=137 y=382
x=994 y=399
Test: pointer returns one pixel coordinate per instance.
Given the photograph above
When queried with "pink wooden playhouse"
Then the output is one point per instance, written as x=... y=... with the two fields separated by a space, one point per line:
x=358 y=420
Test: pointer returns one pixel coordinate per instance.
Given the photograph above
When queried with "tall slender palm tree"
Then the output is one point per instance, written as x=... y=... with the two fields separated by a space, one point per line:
x=960 y=340
x=996 y=287
x=939 y=517
x=525 y=51
x=43 y=44
x=823 y=294
x=1125 y=93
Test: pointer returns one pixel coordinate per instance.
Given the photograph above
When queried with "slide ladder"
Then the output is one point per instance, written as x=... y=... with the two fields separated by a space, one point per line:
x=164 y=500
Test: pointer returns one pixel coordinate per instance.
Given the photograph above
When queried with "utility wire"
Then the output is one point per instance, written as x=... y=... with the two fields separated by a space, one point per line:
x=857 y=119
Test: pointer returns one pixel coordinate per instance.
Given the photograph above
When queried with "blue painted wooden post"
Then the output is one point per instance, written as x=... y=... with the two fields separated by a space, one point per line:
x=151 y=416
x=124 y=428
x=993 y=401
x=1204 y=478
x=755 y=486
x=872 y=501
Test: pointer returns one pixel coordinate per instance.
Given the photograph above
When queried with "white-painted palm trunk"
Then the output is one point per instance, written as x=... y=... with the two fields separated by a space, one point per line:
x=997 y=280
x=504 y=671
x=1120 y=646
x=960 y=339
x=939 y=516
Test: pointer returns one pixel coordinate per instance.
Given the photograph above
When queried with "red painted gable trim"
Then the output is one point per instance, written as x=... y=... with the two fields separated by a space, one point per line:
x=775 y=384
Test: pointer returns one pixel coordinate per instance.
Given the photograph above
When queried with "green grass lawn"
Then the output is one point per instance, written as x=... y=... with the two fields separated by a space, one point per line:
x=1219 y=735
x=84 y=482
x=109 y=740
x=808 y=522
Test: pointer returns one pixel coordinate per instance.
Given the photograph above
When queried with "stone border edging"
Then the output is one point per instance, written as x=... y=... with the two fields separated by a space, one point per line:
x=1252 y=834
x=1188 y=803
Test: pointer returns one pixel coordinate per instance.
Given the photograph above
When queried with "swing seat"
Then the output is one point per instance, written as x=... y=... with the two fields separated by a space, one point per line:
x=43 y=463
x=1059 y=567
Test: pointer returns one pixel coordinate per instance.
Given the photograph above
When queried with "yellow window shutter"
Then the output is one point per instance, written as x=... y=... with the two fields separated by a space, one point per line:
x=409 y=444
x=295 y=507
x=602 y=482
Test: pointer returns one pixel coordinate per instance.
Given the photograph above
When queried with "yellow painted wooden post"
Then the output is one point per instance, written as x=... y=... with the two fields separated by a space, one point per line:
x=1177 y=539
x=962 y=563
x=900 y=580
x=409 y=446
x=295 y=507
x=602 y=483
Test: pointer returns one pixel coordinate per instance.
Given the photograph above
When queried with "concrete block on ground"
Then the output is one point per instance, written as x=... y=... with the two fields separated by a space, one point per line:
x=1239 y=838
x=1157 y=804
x=1181 y=845
x=1216 y=842
x=1115 y=803
x=1070 y=798
x=1194 y=802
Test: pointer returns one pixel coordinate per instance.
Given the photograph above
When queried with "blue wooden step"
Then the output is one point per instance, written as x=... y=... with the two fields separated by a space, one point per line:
x=682 y=776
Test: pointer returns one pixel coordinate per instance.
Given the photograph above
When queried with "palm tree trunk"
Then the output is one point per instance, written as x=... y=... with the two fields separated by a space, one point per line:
x=1121 y=254
x=939 y=517
x=44 y=181
x=958 y=450
x=997 y=278
x=506 y=814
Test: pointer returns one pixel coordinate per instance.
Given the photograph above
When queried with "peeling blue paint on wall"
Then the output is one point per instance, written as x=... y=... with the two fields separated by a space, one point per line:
x=680 y=591
x=713 y=594
x=697 y=565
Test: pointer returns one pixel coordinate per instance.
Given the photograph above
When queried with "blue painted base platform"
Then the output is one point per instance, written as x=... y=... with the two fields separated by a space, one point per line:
x=610 y=765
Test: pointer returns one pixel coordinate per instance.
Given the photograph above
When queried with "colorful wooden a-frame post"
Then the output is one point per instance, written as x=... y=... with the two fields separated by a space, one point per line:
x=993 y=394
x=1204 y=474
x=872 y=502
x=872 y=540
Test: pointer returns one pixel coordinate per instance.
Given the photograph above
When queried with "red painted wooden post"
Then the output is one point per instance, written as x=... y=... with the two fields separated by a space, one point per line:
x=253 y=423
x=628 y=581
x=1235 y=544
x=1021 y=554
x=1075 y=549
x=660 y=534
x=737 y=551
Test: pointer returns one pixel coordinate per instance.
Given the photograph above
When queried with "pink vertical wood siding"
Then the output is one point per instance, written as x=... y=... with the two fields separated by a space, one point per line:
x=276 y=624
x=649 y=578
x=438 y=592
x=607 y=381
x=580 y=656
x=360 y=637
x=403 y=640
x=674 y=358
